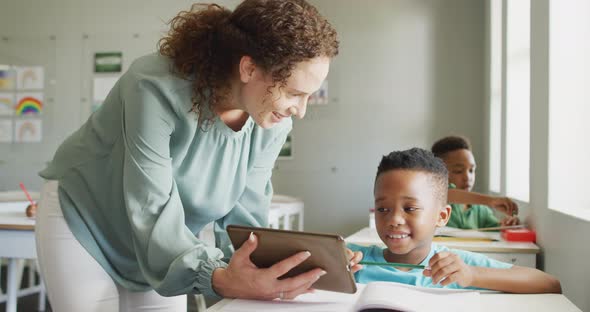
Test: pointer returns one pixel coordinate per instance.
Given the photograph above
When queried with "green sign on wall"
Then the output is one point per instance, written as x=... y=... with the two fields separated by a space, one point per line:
x=108 y=62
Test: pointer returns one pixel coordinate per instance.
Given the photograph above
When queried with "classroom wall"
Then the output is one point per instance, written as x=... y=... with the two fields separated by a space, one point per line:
x=409 y=72
x=563 y=238
x=63 y=35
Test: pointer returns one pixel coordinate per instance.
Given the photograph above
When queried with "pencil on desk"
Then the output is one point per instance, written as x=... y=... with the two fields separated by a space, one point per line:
x=393 y=264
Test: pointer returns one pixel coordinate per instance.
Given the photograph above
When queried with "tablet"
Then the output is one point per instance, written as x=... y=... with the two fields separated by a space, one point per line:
x=327 y=252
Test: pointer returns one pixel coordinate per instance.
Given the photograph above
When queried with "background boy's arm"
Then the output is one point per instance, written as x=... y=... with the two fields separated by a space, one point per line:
x=503 y=204
x=515 y=280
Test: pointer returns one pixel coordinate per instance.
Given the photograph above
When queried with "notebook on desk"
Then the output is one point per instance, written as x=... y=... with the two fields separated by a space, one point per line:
x=454 y=234
x=375 y=296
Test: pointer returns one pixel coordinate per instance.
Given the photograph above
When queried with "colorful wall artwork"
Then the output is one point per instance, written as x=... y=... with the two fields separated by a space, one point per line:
x=6 y=104
x=27 y=130
x=21 y=97
x=30 y=103
x=7 y=76
x=30 y=78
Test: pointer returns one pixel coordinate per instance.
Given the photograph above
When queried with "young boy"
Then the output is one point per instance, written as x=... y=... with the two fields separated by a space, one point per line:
x=410 y=202
x=456 y=153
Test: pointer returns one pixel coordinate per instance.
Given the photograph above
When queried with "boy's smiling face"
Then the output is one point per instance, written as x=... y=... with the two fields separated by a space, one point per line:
x=407 y=211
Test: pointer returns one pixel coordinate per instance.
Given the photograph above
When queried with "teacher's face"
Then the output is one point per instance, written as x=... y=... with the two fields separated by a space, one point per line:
x=267 y=102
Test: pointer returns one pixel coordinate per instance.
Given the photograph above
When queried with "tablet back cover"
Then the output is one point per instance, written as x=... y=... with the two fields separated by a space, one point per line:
x=327 y=252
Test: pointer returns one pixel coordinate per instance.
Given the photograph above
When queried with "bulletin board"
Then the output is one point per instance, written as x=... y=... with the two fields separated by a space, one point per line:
x=27 y=88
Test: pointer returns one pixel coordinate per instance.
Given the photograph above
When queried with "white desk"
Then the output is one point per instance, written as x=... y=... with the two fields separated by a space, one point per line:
x=490 y=302
x=17 y=241
x=286 y=213
x=523 y=254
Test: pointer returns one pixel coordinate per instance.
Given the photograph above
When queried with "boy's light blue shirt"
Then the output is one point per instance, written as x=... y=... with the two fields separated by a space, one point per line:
x=372 y=273
x=141 y=178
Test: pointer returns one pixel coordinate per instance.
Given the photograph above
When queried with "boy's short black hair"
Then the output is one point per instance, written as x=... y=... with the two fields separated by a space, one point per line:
x=418 y=159
x=449 y=144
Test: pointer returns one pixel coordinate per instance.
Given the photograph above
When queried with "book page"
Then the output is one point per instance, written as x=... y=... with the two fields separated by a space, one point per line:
x=320 y=300
x=461 y=233
x=386 y=295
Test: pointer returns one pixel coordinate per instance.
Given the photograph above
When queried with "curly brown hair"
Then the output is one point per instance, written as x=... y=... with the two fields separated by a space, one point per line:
x=207 y=42
x=450 y=144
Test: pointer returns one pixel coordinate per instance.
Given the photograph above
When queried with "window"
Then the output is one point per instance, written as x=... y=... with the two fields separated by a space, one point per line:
x=517 y=146
x=495 y=93
x=569 y=107
x=509 y=101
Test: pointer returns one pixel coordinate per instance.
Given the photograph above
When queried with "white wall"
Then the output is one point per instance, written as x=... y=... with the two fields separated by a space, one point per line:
x=409 y=72
x=63 y=35
x=564 y=239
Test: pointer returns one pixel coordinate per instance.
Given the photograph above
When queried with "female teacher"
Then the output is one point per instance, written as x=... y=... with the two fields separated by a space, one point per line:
x=187 y=136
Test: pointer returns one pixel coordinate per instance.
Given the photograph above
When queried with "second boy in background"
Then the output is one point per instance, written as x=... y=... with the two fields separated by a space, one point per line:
x=410 y=202
x=456 y=153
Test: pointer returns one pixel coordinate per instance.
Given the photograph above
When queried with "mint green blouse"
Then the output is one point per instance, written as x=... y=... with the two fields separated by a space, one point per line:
x=140 y=179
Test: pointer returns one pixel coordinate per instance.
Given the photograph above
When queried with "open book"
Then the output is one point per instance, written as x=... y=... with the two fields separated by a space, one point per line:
x=451 y=234
x=375 y=296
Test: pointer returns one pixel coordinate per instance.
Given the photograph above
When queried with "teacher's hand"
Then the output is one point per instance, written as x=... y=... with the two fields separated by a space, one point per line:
x=242 y=279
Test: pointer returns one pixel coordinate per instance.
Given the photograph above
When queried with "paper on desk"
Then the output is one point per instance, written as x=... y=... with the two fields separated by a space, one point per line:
x=459 y=233
x=320 y=300
x=13 y=213
x=401 y=297
x=372 y=295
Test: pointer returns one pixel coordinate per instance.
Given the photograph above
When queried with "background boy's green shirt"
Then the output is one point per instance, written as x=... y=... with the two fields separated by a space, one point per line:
x=477 y=216
x=141 y=178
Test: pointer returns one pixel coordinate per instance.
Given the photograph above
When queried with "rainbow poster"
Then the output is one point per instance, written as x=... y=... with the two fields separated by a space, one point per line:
x=30 y=78
x=5 y=131
x=27 y=131
x=6 y=104
x=6 y=78
x=30 y=103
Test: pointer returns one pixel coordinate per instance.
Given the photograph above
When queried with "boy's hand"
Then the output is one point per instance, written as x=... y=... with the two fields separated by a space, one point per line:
x=504 y=205
x=447 y=267
x=31 y=210
x=510 y=221
x=354 y=257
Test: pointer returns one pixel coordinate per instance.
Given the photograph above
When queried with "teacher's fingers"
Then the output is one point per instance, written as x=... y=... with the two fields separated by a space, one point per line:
x=300 y=284
x=243 y=253
x=280 y=268
x=292 y=294
x=295 y=282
